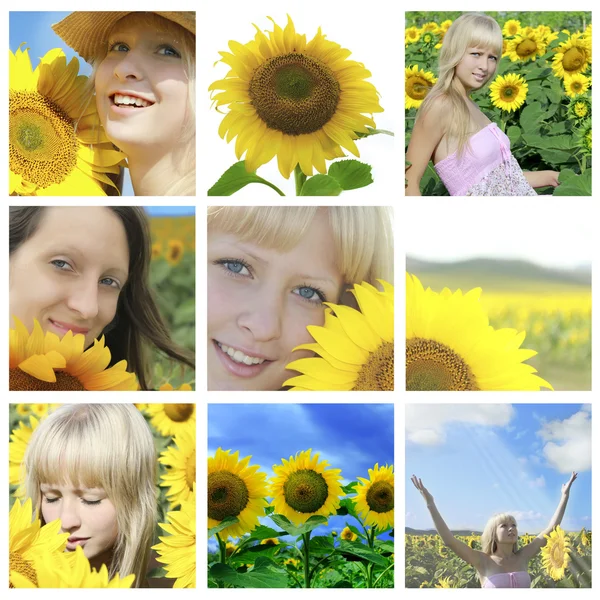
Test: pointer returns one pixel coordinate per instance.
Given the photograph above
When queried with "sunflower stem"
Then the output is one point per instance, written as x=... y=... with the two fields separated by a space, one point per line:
x=299 y=178
x=306 y=540
x=222 y=554
x=382 y=574
x=314 y=569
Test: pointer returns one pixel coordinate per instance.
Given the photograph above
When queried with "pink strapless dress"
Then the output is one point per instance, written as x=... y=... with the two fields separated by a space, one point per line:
x=486 y=168
x=518 y=579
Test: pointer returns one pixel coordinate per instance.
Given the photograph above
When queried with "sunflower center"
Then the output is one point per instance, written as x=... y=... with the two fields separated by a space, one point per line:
x=557 y=555
x=526 y=48
x=305 y=491
x=227 y=495
x=19 y=380
x=347 y=535
x=42 y=141
x=576 y=86
x=179 y=412
x=377 y=374
x=24 y=567
x=573 y=59
x=417 y=87
x=508 y=93
x=433 y=366
x=294 y=93
x=380 y=497
x=190 y=470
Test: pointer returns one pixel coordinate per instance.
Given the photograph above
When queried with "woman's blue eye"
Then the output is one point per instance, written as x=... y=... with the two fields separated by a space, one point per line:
x=170 y=51
x=307 y=292
x=234 y=267
x=310 y=294
x=110 y=281
x=116 y=47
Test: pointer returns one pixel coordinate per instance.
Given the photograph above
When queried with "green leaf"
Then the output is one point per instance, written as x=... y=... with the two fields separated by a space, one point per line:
x=156 y=572
x=264 y=533
x=342 y=511
x=321 y=544
x=321 y=185
x=574 y=185
x=351 y=174
x=531 y=116
x=348 y=504
x=349 y=489
x=385 y=546
x=235 y=178
x=362 y=552
x=226 y=522
x=264 y=574
x=249 y=555
x=514 y=133
x=269 y=510
x=373 y=132
x=311 y=523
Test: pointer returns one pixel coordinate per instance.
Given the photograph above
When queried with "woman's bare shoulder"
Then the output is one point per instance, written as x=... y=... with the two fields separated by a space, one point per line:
x=437 y=112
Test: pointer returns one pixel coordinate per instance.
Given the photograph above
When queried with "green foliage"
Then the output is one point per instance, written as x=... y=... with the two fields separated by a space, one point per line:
x=235 y=178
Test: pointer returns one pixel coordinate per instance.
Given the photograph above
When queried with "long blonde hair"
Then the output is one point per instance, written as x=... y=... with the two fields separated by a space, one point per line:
x=489 y=540
x=108 y=446
x=471 y=30
x=362 y=234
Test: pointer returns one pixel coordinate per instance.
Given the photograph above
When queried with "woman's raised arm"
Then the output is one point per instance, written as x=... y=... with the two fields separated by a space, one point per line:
x=426 y=135
x=473 y=557
x=534 y=547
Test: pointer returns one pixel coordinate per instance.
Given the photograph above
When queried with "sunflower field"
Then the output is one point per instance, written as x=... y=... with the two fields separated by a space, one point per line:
x=565 y=562
x=173 y=557
x=540 y=96
x=281 y=550
x=172 y=278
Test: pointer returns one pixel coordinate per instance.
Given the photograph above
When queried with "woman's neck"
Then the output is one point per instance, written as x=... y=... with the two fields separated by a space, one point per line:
x=152 y=175
x=105 y=558
x=504 y=551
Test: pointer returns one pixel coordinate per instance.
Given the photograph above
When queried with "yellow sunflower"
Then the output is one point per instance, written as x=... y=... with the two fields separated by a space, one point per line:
x=19 y=440
x=170 y=419
x=303 y=487
x=235 y=489
x=576 y=84
x=411 y=35
x=356 y=349
x=297 y=100
x=69 y=571
x=270 y=542
x=450 y=345
x=167 y=387
x=29 y=540
x=174 y=252
x=348 y=535
x=375 y=497
x=181 y=462
x=555 y=554
x=508 y=92
x=573 y=56
x=445 y=25
x=432 y=27
x=57 y=146
x=417 y=84
x=157 y=249
x=178 y=549
x=525 y=47
x=511 y=28
x=230 y=548
x=46 y=362
x=444 y=582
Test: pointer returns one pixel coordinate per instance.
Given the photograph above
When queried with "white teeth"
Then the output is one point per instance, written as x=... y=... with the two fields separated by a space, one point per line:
x=239 y=357
x=119 y=99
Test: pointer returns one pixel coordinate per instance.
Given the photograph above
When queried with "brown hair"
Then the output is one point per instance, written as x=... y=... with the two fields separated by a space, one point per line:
x=137 y=322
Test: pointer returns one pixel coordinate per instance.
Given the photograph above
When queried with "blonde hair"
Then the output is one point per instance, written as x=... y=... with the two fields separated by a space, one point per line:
x=108 y=446
x=184 y=183
x=362 y=234
x=488 y=537
x=471 y=30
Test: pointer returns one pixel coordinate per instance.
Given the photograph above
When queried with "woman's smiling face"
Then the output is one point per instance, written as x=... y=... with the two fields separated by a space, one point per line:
x=68 y=275
x=141 y=87
x=260 y=301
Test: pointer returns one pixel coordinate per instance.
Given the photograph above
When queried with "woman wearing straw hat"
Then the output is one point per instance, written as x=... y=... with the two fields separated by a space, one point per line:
x=144 y=80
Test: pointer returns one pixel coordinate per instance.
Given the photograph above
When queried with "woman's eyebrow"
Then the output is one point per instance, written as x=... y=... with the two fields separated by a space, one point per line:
x=313 y=278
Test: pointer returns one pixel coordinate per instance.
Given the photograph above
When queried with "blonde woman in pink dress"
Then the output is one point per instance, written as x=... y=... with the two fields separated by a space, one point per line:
x=471 y=154
x=500 y=563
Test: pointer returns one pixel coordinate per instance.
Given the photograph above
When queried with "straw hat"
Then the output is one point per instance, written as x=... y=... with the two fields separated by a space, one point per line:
x=87 y=32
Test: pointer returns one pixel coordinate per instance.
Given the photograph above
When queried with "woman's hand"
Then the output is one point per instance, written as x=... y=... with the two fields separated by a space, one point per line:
x=424 y=492
x=566 y=487
x=552 y=178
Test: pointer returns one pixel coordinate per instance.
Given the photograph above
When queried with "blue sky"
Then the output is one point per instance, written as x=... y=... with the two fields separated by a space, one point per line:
x=170 y=211
x=478 y=460
x=35 y=29
x=351 y=437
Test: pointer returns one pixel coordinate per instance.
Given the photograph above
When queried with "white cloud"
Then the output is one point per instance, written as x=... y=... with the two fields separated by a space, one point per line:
x=525 y=515
x=520 y=434
x=426 y=424
x=569 y=443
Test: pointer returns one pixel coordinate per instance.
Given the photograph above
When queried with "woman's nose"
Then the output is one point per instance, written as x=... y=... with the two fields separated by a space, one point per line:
x=83 y=299
x=69 y=516
x=128 y=67
x=262 y=317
